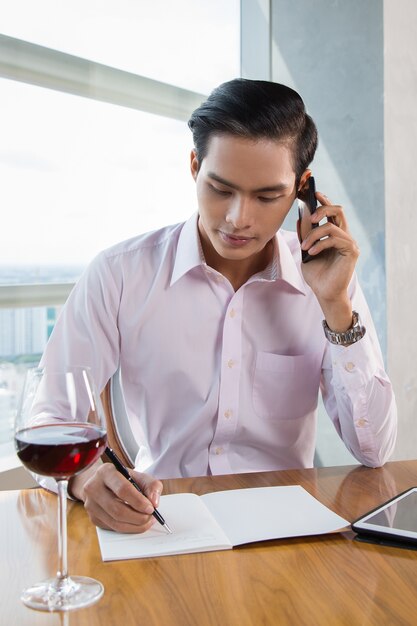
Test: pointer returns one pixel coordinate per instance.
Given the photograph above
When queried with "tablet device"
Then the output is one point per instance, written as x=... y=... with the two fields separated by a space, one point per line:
x=395 y=519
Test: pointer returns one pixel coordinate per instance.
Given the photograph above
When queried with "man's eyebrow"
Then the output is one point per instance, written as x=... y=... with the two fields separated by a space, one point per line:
x=279 y=187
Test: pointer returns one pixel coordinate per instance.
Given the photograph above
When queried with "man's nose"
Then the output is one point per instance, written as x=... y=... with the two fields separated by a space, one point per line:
x=240 y=214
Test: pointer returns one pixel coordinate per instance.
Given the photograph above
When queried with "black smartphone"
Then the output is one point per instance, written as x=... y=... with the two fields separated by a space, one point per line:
x=307 y=204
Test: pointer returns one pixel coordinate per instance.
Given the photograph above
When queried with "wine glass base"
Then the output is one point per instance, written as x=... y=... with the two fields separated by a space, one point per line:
x=72 y=593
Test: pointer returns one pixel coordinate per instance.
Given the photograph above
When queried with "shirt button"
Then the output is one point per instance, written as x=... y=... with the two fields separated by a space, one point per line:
x=349 y=367
x=232 y=313
x=228 y=413
x=230 y=363
x=218 y=451
x=361 y=422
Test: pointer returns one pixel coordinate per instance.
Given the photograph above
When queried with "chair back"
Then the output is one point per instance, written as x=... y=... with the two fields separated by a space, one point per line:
x=119 y=433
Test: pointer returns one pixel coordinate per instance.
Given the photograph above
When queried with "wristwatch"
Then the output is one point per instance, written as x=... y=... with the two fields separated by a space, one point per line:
x=351 y=335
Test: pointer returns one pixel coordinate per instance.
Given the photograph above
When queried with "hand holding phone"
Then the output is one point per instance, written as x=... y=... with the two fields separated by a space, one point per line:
x=325 y=238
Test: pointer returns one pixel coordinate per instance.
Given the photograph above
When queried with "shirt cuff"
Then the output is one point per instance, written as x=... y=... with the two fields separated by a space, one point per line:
x=354 y=366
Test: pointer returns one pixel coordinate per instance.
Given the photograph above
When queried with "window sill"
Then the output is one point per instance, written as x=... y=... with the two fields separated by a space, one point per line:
x=8 y=457
x=12 y=473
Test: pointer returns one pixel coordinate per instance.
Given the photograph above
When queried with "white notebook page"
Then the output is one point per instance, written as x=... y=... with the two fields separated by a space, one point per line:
x=261 y=513
x=193 y=530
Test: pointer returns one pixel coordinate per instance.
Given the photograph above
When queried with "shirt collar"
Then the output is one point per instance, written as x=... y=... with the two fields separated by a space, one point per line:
x=288 y=269
x=189 y=253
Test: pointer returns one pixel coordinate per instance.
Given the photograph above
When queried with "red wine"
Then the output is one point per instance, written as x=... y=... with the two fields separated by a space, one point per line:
x=60 y=450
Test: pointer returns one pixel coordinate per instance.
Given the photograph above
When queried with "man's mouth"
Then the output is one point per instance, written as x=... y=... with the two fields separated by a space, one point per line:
x=235 y=239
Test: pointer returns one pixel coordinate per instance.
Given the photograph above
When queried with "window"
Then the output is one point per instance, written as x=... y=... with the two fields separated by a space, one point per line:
x=79 y=175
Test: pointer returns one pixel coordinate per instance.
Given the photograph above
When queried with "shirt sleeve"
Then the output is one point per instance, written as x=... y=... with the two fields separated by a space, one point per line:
x=358 y=394
x=86 y=332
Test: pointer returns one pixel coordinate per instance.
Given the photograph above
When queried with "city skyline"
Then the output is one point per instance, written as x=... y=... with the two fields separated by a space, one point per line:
x=39 y=273
x=24 y=331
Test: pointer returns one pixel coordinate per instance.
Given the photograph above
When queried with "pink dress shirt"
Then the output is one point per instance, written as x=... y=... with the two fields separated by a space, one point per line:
x=217 y=381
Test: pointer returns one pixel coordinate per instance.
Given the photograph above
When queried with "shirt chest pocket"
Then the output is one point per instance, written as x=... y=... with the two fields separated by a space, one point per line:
x=285 y=387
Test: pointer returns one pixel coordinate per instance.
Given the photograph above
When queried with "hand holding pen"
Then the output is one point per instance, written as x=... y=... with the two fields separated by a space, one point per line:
x=112 y=456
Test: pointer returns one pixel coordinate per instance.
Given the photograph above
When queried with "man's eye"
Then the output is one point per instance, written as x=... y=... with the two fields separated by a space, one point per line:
x=267 y=199
x=219 y=192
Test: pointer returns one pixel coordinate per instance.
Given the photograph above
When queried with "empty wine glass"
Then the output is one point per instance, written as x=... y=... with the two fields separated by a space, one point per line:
x=59 y=432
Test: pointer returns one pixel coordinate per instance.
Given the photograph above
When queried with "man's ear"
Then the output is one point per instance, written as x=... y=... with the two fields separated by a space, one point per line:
x=304 y=178
x=194 y=164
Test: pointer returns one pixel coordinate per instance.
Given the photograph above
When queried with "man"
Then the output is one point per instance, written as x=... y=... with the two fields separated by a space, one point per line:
x=216 y=325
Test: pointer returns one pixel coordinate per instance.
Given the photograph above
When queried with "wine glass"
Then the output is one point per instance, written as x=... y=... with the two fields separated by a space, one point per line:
x=59 y=432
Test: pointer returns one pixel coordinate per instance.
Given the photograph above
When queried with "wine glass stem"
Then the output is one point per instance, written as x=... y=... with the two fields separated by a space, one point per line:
x=62 y=572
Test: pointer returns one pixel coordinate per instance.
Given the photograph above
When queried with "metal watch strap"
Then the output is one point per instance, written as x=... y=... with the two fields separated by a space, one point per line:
x=351 y=335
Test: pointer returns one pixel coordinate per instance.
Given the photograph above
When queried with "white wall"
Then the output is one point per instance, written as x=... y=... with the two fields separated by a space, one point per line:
x=400 y=98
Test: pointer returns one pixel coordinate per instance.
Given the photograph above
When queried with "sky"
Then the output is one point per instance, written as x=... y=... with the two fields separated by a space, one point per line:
x=78 y=175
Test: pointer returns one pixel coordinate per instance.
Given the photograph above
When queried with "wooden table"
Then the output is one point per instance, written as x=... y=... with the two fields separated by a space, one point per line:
x=320 y=580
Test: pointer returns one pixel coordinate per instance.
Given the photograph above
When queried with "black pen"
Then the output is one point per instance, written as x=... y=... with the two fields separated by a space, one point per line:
x=121 y=468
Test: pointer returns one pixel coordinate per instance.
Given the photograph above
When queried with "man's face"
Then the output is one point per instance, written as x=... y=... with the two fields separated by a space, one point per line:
x=245 y=188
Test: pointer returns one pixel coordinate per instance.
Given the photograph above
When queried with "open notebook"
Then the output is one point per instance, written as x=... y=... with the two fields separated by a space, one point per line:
x=222 y=520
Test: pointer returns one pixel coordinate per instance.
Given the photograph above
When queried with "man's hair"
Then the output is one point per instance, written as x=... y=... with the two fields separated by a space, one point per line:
x=256 y=109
